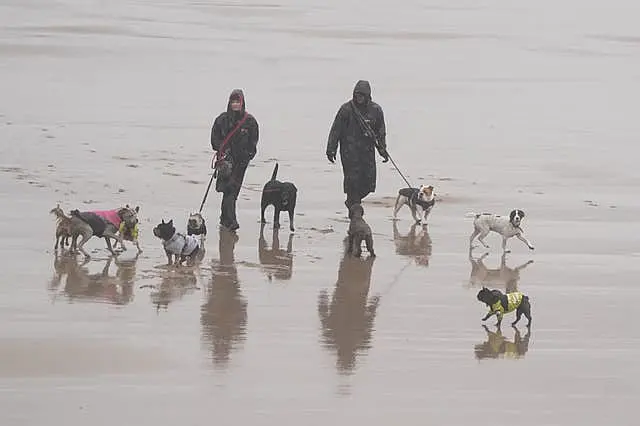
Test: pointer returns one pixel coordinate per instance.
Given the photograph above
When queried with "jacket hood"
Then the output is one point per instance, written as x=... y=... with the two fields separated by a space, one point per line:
x=363 y=86
x=237 y=94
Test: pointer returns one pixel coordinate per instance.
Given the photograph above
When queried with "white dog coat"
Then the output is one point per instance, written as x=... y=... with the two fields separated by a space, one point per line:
x=181 y=244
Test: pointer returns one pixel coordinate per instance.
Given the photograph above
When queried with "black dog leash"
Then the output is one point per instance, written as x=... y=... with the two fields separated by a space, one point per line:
x=206 y=193
x=369 y=130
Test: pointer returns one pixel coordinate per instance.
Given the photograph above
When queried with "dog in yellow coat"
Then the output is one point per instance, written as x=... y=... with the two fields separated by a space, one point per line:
x=500 y=304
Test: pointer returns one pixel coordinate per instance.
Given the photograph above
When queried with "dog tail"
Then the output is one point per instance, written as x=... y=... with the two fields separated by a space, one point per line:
x=275 y=172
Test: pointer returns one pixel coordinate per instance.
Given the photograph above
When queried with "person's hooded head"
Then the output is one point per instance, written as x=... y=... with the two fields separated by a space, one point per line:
x=236 y=105
x=362 y=93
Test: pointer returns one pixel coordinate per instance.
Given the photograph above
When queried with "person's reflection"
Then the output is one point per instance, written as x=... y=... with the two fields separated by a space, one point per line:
x=497 y=346
x=224 y=316
x=347 y=320
x=80 y=284
x=504 y=276
x=275 y=261
x=416 y=244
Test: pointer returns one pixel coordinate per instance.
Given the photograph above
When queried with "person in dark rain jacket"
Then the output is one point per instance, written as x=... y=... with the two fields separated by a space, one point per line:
x=234 y=136
x=357 y=145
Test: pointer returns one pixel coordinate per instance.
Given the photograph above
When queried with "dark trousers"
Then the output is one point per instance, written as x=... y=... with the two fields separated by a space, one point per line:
x=230 y=188
x=354 y=197
x=228 y=209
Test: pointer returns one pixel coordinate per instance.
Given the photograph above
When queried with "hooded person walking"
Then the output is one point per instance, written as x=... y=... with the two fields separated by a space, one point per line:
x=234 y=137
x=357 y=144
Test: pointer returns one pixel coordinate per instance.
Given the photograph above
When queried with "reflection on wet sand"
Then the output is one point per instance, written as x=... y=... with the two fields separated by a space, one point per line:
x=416 y=244
x=80 y=284
x=224 y=316
x=275 y=261
x=347 y=320
x=497 y=346
x=175 y=284
x=503 y=276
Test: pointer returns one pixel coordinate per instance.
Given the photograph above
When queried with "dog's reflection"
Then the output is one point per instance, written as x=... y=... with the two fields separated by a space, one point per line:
x=275 y=262
x=497 y=346
x=504 y=276
x=174 y=285
x=82 y=285
x=416 y=244
x=347 y=319
x=224 y=315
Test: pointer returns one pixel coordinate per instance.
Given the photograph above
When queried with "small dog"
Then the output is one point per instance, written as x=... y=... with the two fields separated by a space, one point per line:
x=419 y=200
x=509 y=227
x=63 y=227
x=197 y=226
x=176 y=245
x=280 y=195
x=129 y=228
x=102 y=224
x=500 y=303
x=358 y=231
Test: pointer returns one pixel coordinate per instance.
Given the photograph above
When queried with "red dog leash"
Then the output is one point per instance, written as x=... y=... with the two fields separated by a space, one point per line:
x=218 y=155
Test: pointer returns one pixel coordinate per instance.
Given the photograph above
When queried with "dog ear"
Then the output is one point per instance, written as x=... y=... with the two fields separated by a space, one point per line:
x=137 y=209
x=163 y=221
x=170 y=222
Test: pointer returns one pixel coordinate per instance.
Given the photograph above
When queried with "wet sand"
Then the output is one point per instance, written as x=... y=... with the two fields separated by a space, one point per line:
x=497 y=105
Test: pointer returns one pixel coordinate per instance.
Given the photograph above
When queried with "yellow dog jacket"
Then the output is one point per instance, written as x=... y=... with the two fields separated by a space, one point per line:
x=128 y=233
x=515 y=299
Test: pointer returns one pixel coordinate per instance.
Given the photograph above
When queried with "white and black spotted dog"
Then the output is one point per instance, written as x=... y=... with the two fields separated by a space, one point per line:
x=507 y=227
x=419 y=200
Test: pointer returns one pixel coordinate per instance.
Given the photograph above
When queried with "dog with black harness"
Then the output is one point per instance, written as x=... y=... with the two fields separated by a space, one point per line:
x=419 y=200
x=282 y=196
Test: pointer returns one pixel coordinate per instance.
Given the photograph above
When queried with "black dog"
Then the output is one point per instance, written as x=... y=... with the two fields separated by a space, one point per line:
x=280 y=195
x=358 y=231
x=176 y=244
x=500 y=304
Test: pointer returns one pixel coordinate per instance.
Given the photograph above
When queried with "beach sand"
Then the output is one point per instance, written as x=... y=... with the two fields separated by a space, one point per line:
x=499 y=106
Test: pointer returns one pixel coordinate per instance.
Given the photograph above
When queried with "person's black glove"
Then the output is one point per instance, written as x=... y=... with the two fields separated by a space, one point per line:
x=385 y=155
x=331 y=157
